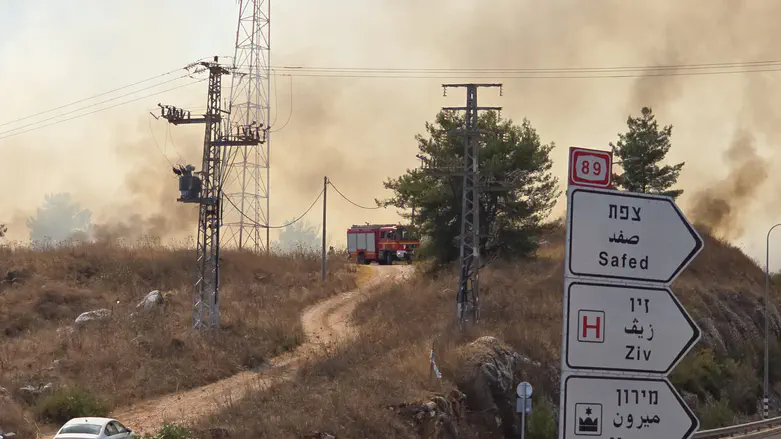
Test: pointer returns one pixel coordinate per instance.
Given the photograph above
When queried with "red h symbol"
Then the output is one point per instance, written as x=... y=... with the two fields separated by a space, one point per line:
x=591 y=326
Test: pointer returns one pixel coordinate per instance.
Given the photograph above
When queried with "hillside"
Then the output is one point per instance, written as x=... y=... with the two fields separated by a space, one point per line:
x=374 y=386
x=136 y=353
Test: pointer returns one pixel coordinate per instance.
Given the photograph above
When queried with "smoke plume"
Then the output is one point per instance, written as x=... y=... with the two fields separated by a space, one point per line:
x=723 y=206
x=359 y=131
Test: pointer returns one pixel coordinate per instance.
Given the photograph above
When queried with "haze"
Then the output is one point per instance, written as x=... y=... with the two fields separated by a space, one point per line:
x=359 y=131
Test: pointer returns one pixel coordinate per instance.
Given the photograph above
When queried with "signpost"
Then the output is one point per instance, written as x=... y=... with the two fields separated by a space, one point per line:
x=620 y=235
x=590 y=167
x=523 y=404
x=624 y=407
x=623 y=329
x=627 y=329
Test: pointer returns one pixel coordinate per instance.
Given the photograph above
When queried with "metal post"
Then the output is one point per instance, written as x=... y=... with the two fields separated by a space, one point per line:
x=325 y=192
x=523 y=419
x=766 y=397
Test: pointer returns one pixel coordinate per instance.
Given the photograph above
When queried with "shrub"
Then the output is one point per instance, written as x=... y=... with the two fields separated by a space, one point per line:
x=171 y=431
x=716 y=415
x=65 y=404
x=541 y=422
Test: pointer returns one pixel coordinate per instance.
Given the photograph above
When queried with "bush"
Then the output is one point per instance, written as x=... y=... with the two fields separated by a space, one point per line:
x=541 y=422
x=65 y=404
x=171 y=431
x=716 y=415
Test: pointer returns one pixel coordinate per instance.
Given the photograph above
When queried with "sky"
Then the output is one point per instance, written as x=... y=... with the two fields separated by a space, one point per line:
x=360 y=131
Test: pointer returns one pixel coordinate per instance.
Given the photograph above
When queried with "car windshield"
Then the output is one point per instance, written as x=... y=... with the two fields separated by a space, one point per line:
x=81 y=428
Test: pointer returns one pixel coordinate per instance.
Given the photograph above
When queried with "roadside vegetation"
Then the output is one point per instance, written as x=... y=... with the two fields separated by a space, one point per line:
x=53 y=369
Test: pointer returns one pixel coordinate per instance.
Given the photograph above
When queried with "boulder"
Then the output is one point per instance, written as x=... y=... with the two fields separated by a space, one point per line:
x=153 y=300
x=436 y=418
x=487 y=377
x=92 y=316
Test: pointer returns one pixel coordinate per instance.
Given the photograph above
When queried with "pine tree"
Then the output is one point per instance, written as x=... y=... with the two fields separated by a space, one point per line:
x=640 y=150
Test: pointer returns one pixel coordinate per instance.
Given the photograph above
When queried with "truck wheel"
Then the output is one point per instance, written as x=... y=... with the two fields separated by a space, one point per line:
x=361 y=258
x=388 y=258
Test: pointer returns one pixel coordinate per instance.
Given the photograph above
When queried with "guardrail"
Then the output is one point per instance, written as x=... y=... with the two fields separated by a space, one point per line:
x=752 y=430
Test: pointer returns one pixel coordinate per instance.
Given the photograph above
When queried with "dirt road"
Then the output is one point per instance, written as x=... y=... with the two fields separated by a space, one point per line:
x=324 y=323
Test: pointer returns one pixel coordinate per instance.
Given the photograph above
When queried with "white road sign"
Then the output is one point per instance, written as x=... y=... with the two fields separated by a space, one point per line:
x=524 y=390
x=625 y=235
x=625 y=408
x=627 y=329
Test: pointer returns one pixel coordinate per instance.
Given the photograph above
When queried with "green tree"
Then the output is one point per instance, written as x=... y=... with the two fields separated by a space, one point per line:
x=516 y=162
x=3 y=230
x=640 y=150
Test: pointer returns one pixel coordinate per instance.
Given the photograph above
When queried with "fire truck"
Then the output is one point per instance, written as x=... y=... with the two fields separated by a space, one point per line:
x=383 y=243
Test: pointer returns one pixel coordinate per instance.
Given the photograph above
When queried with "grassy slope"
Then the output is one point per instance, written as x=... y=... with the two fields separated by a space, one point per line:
x=347 y=394
x=129 y=359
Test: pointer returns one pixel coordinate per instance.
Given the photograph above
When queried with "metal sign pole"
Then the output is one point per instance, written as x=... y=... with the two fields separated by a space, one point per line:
x=523 y=418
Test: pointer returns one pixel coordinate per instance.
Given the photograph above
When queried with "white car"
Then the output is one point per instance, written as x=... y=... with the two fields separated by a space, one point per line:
x=94 y=428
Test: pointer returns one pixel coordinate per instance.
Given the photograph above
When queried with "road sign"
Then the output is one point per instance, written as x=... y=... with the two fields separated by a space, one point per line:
x=627 y=329
x=524 y=390
x=590 y=167
x=626 y=408
x=626 y=235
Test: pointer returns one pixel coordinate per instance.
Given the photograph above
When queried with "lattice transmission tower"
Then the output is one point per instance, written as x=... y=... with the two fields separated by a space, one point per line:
x=247 y=168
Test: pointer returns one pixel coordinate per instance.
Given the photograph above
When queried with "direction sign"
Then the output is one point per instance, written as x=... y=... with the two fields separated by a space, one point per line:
x=524 y=390
x=590 y=167
x=627 y=329
x=626 y=408
x=626 y=235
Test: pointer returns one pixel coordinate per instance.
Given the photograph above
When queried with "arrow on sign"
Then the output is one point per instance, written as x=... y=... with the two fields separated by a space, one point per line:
x=625 y=235
x=627 y=329
x=627 y=408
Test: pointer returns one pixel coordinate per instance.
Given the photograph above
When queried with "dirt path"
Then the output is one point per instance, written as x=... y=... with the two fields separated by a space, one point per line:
x=325 y=323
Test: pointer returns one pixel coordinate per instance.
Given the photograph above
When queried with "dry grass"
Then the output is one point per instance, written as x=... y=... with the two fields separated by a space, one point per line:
x=134 y=357
x=347 y=393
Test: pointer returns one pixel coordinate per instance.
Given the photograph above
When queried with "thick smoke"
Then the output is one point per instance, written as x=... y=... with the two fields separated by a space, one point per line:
x=147 y=208
x=359 y=131
x=724 y=205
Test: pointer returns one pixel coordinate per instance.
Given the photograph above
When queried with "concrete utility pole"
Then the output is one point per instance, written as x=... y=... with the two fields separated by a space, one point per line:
x=467 y=309
x=206 y=191
x=325 y=194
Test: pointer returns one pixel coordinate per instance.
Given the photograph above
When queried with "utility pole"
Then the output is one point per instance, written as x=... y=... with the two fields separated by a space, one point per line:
x=206 y=191
x=467 y=308
x=325 y=194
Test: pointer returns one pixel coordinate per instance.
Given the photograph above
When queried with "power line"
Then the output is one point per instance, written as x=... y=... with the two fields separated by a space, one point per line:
x=527 y=76
x=290 y=114
x=152 y=133
x=349 y=200
x=252 y=221
x=91 y=97
x=540 y=69
x=96 y=111
x=91 y=105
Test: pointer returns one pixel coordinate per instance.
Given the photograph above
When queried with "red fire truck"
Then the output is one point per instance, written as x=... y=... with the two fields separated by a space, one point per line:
x=383 y=243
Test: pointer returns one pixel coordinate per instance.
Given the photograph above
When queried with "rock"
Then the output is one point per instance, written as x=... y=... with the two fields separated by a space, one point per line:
x=487 y=377
x=437 y=418
x=153 y=300
x=319 y=435
x=92 y=316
